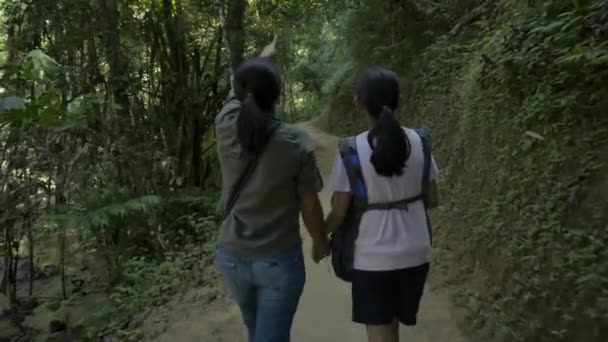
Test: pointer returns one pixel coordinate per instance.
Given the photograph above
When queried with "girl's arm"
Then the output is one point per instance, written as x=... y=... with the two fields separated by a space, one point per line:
x=433 y=197
x=340 y=202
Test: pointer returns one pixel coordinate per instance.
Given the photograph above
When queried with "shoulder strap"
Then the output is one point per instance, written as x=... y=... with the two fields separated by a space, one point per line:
x=246 y=175
x=426 y=150
x=352 y=164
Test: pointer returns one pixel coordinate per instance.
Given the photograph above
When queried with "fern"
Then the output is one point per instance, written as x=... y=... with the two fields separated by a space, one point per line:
x=106 y=216
x=102 y=218
x=197 y=198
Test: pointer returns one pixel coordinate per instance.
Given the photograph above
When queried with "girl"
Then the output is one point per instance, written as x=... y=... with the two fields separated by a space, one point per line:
x=269 y=175
x=393 y=248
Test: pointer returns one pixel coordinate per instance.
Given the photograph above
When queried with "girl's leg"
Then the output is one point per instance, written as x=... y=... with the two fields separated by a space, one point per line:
x=237 y=279
x=280 y=281
x=383 y=333
x=374 y=295
x=396 y=330
x=411 y=282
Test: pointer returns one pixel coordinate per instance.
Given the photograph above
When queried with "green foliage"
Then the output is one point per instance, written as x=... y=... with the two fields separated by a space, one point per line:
x=149 y=283
x=104 y=217
x=41 y=75
x=185 y=229
x=526 y=123
x=517 y=107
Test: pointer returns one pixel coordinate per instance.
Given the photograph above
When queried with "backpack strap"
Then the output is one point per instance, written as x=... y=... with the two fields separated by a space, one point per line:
x=352 y=164
x=240 y=183
x=426 y=169
x=426 y=174
x=400 y=204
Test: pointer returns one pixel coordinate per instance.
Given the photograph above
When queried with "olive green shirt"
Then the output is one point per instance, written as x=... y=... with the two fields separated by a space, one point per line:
x=265 y=218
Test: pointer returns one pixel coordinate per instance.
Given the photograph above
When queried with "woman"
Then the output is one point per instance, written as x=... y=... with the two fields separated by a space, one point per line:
x=260 y=251
x=393 y=248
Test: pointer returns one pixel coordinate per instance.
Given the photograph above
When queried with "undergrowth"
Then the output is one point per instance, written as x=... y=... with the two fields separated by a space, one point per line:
x=150 y=279
x=147 y=284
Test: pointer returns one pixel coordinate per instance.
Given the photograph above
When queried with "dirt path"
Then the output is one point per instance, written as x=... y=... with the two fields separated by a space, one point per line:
x=324 y=313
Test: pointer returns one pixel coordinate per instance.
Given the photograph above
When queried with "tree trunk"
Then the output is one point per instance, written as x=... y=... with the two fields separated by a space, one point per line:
x=62 y=241
x=4 y=283
x=30 y=241
x=13 y=269
x=235 y=33
x=109 y=20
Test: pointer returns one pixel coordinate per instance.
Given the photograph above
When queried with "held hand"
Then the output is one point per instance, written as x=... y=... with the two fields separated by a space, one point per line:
x=320 y=250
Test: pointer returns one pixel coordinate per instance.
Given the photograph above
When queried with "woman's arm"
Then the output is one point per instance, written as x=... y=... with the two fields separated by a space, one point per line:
x=340 y=202
x=433 y=196
x=268 y=52
x=312 y=215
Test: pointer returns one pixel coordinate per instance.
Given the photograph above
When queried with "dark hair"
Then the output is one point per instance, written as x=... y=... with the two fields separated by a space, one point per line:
x=378 y=91
x=257 y=84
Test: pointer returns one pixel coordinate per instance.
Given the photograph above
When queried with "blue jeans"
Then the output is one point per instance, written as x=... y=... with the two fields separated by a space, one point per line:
x=267 y=290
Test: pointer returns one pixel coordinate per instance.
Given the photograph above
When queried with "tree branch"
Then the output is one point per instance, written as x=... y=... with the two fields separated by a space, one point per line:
x=471 y=16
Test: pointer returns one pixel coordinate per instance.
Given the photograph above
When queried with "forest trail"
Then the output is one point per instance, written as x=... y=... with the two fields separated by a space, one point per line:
x=325 y=310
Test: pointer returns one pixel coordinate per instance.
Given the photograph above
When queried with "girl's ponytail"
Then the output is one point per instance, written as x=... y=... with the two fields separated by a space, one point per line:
x=390 y=145
x=378 y=91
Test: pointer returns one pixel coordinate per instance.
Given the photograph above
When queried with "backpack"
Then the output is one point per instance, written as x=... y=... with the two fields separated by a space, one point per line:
x=342 y=241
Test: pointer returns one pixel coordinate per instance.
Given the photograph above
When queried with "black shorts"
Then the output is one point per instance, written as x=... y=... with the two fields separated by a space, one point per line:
x=381 y=297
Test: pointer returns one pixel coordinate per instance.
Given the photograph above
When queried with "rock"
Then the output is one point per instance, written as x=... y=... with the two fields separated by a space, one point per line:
x=84 y=283
x=23 y=270
x=91 y=286
x=137 y=321
x=8 y=331
x=27 y=305
x=53 y=305
x=78 y=280
x=57 y=326
x=18 y=318
x=5 y=305
x=49 y=271
x=69 y=335
x=111 y=338
x=62 y=336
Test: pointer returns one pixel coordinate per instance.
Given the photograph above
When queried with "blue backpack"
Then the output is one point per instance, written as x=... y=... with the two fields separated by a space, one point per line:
x=343 y=240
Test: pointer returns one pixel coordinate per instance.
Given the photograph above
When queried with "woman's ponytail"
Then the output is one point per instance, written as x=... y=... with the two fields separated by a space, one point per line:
x=252 y=126
x=258 y=86
x=390 y=145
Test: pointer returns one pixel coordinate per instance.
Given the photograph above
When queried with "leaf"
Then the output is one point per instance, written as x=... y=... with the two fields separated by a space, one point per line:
x=535 y=135
x=601 y=60
x=571 y=59
x=48 y=117
x=548 y=28
x=39 y=63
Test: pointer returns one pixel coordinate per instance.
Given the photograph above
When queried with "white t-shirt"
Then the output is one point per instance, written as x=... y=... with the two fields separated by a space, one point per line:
x=390 y=239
